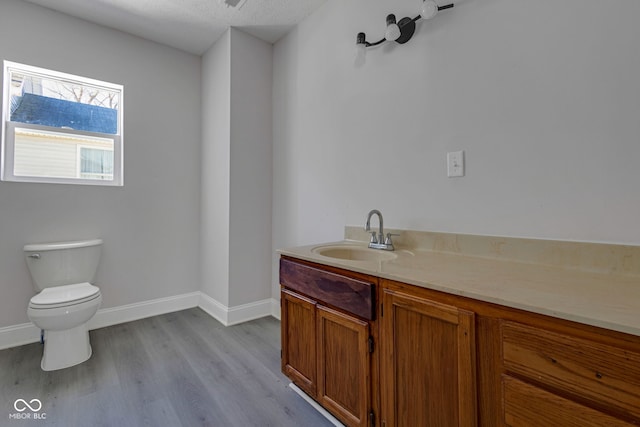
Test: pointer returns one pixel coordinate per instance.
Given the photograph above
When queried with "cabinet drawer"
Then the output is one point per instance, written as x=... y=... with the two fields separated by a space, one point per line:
x=605 y=375
x=352 y=295
x=529 y=406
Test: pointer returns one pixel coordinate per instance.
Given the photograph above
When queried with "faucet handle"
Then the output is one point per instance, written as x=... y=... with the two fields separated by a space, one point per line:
x=388 y=241
x=373 y=239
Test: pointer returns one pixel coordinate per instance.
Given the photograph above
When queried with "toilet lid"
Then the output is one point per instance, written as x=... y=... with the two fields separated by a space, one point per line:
x=65 y=294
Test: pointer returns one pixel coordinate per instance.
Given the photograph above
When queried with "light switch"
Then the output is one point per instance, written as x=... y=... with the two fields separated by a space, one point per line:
x=455 y=164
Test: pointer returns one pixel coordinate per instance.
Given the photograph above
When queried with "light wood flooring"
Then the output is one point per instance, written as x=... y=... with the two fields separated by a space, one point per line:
x=179 y=369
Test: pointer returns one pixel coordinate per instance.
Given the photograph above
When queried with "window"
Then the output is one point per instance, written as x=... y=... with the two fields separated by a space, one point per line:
x=95 y=163
x=60 y=128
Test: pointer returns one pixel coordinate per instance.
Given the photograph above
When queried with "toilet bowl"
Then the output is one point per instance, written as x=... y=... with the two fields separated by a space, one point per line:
x=62 y=310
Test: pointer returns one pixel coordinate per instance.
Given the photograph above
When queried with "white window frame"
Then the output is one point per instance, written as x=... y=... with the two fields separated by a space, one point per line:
x=7 y=151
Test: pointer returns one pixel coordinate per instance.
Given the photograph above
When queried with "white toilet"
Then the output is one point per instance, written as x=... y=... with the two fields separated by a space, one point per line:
x=61 y=273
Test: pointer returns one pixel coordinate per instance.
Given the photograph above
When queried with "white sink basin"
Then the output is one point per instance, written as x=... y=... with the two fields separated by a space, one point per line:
x=354 y=253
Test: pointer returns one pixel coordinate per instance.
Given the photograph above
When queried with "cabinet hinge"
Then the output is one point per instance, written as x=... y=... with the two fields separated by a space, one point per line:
x=371 y=344
x=372 y=419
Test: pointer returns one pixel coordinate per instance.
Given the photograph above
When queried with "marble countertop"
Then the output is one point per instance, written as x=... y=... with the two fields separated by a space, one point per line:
x=603 y=299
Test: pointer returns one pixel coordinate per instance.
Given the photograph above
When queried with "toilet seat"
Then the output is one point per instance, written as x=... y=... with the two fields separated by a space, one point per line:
x=64 y=296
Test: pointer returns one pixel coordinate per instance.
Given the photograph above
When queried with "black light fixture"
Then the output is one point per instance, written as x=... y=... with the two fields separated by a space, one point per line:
x=400 y=32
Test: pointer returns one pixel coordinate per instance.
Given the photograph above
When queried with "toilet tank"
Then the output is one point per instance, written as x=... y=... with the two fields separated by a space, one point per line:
x=63 y=263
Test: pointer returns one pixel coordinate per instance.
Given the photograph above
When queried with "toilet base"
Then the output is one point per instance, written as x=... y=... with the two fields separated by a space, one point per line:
x=66 y=348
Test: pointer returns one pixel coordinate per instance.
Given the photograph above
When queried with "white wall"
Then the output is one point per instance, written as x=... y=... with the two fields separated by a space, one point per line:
x=251 y=169
x=151 y=225
x=215 y=166
x=543 y=96
x=236 y=170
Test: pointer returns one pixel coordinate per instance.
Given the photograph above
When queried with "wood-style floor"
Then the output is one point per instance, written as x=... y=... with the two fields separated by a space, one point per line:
x=179 y=369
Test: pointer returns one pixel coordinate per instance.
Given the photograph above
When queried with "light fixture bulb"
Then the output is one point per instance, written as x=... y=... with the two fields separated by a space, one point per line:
x=361 y=39
x=393 y=31
x=361 y=50
x=429 y=9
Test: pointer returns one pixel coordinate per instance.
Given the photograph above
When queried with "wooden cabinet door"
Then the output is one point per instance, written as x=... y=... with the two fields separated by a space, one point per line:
x=427 y=363
x=298 y=324
x=343 y=366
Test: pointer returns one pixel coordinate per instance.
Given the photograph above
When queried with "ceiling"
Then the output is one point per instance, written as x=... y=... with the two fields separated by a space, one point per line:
x=189 y=25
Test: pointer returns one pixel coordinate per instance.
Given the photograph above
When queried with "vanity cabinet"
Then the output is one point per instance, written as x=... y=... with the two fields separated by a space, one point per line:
x=327 y=341
x=427 y=362
x=377 y=352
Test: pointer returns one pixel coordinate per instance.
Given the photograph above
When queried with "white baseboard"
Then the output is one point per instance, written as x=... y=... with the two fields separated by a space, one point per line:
x=246 y=312
x=213 y=308
x=17 y=335
x=233 y=315
x=27 y=333
x=275 y=308
x=140 y=310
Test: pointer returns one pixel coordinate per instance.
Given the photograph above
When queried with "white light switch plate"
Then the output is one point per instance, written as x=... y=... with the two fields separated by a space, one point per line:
x=455 y=164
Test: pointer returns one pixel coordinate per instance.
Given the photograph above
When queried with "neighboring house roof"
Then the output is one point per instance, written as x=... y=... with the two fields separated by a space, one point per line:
x=42 y=110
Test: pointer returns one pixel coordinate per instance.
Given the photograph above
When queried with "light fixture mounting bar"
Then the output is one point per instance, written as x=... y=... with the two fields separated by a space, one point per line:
x=407 y=28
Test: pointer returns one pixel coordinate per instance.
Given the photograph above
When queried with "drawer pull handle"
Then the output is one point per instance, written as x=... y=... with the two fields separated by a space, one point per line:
x=598 y=375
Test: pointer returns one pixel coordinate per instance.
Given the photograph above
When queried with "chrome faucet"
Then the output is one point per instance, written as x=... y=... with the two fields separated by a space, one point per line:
x=379 y=241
